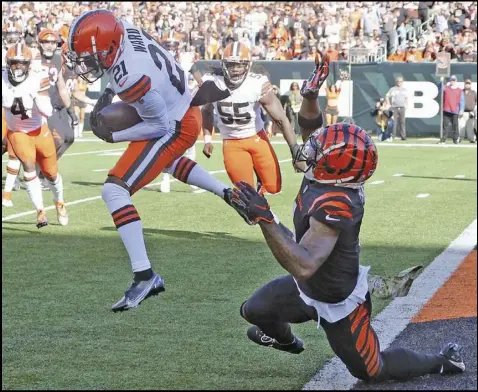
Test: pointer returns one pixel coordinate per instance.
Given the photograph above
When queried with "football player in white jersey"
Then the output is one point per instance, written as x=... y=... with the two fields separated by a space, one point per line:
x=246 y=147
x=25 y=100
x=145 y=76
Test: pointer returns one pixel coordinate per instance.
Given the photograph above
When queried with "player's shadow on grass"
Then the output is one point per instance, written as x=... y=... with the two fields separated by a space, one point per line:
x=440 y=178
x=189 y=235
x=95 y=184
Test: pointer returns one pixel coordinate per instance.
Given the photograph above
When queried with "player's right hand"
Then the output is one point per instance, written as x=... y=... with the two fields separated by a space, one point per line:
x=207 y=150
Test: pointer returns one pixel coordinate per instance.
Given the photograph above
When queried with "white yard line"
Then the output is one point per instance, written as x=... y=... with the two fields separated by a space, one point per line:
x=376 y=182
x=460 y=176
x=398 y=314
x=422 y=195
x=398 y=175
x=31 y=212
x=74 y=154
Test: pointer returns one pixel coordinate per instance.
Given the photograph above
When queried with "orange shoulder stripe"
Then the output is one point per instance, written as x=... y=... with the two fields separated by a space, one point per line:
x=137 y=90
x=328 y=195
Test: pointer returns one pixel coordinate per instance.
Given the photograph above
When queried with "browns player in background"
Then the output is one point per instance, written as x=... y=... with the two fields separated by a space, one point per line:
x=26 y=101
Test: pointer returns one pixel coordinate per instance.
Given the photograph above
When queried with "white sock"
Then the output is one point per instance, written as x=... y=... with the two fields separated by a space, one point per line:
x=128 y=224
x=189 y=172
x=13 y=168
x=165 y=177
x=56 y=188
x=80 y=128
x=34 y=190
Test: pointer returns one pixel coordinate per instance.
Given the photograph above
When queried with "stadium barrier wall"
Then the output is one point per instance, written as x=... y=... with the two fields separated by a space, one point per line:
x=368 y=83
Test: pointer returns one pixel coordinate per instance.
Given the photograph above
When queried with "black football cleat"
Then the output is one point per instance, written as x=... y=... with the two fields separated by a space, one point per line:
x=228 y=197
x=454 y=359
x=259 y=337
x=138 y=292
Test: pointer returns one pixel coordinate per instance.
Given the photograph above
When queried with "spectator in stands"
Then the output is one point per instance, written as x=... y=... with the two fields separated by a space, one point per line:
x=413 y=55
x=399 y=55
x=453 y=106
x=397 y=99
x=467 y=120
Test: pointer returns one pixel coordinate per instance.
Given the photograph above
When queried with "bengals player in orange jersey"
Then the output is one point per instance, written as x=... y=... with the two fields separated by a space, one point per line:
x=326 y=283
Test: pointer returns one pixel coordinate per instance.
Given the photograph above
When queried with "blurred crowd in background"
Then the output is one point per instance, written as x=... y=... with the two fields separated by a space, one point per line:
x=406 y=31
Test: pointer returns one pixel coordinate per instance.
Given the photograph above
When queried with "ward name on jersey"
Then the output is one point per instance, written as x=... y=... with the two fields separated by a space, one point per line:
x=144 y=65
x=23 y=115
x=239 y=115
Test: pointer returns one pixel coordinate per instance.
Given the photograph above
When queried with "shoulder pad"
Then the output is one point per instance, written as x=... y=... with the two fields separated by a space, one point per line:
x=132 y=87
x=334 y=209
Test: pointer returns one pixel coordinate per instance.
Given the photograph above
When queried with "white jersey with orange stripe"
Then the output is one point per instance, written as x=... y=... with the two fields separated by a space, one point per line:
x=21 y=102
x=239 y=115
x=144 y=65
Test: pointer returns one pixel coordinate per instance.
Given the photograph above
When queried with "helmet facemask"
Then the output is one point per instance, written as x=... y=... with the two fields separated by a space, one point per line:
x=48 y=48
x=18 y=70
x=235 y=71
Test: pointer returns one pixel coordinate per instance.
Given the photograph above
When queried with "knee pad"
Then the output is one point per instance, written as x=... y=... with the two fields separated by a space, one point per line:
x=113 y=189
x=314 y=123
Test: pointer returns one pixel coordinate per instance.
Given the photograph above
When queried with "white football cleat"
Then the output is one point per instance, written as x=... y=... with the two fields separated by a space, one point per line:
x=61 y=213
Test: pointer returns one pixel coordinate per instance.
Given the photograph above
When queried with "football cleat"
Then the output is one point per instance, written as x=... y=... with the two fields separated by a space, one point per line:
x=257 y=336
x=454 y=359
x=41 y=219
x=138 y=292
x=228 y=196
x=7 y=199
x=61 y=213
x=310 y=87
x=396 y=286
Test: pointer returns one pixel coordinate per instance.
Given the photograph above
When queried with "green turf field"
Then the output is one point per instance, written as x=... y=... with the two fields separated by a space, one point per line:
x=58 y=283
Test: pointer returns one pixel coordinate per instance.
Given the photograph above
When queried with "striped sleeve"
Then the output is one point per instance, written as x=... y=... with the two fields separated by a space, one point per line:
x=334 y=209
x=133 y=88
x=44 y=84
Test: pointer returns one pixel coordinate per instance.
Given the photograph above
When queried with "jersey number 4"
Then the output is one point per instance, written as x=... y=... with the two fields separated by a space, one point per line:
x=19 y=109
x=233 y=116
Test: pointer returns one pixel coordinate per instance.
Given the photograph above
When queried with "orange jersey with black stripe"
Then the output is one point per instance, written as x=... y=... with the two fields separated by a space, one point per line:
x=143 y=65
x=341 y=208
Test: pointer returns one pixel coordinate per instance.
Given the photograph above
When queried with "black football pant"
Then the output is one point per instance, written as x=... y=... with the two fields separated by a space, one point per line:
x=352 y=338
x=60 y=125
x=450 y=123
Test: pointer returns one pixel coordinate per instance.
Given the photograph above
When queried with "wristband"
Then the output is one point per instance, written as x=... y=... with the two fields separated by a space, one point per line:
x=207 y=139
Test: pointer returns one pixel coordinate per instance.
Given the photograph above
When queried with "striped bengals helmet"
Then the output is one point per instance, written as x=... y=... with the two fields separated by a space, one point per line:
x=95 y=40
x=19 y=60
x=236 y=63
x=48 y=40
x=339 y=154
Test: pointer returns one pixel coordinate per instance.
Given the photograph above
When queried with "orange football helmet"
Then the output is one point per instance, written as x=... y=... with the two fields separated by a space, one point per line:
x=339 y=154
x=236 y=63
x=95 y=41
x=19 y=60
x=48 y=40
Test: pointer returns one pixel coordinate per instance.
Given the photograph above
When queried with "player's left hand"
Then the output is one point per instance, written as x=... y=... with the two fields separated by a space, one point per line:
x=74 y=118
x=252 y=203
x=102 y=130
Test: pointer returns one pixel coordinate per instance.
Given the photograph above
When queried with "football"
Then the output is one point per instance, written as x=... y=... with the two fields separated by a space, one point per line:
x=119 y=116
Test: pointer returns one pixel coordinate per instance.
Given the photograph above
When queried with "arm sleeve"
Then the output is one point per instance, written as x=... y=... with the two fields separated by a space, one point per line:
x=152 y=109
x=334 y=209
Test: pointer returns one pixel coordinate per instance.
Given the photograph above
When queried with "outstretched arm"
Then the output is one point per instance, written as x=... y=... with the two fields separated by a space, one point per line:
x=304 y=259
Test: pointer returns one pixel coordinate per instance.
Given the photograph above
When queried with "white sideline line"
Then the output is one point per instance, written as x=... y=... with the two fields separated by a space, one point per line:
x=31 y=212
x=397 y=315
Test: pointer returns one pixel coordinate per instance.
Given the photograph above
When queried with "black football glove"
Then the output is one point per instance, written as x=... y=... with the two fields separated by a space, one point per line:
x=98 y=126
x=255 y=206
x=74 y=118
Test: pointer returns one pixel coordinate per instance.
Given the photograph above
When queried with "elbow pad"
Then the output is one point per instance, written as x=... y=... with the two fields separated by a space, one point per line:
x=314 y=123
